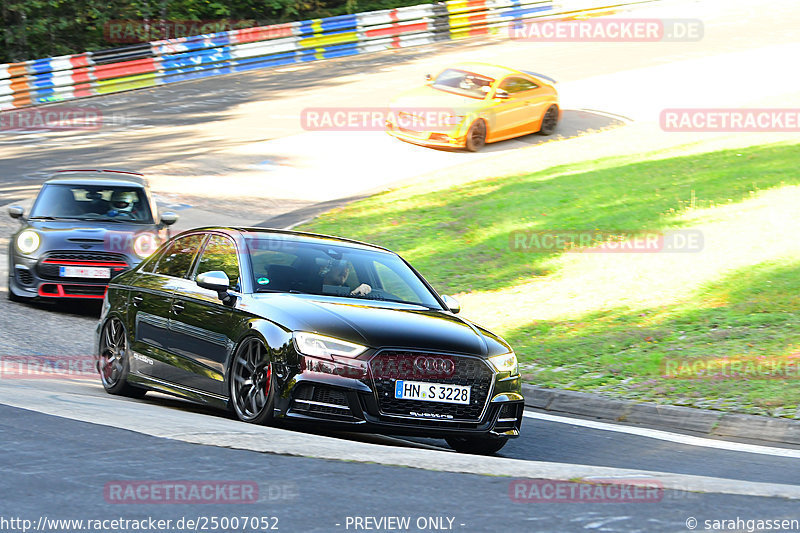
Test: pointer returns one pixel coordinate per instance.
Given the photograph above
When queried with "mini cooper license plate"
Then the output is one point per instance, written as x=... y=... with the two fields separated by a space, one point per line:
x=85 y=272
x=431 y=392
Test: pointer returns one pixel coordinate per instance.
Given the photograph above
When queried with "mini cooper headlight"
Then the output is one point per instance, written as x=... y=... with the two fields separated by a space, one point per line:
x=144 y=245
x=506 y=362
x=28 y=241
x=322 y=346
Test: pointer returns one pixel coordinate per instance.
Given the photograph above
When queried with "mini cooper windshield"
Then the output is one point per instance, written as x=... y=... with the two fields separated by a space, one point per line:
x=296 y=266
x=93 y=202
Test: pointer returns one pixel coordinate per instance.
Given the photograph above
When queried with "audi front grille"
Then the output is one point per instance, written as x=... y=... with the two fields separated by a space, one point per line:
x=388 y=366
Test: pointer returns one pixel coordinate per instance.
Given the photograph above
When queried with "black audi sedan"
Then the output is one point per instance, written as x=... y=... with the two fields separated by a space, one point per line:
x=290 y=326
x=85 y=227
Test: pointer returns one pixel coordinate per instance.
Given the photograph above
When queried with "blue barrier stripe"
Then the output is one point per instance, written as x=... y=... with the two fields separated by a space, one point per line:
x=264 y=62
x=40 y=66
x=517 y=13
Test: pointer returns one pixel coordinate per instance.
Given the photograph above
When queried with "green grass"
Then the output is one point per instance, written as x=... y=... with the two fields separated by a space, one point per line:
x=608 y=322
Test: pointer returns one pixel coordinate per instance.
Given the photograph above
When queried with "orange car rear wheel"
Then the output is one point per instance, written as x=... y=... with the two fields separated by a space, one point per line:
x=549 y=121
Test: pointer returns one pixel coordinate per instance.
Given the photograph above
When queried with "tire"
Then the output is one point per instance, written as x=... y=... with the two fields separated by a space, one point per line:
x=114 y=364
x=476 y=136
x=252 y=383
x=549 y=121
x=477 y=445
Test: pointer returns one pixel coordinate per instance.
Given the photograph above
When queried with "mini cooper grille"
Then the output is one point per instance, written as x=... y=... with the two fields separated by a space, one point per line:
x=87 y=256
x=49 y=266
x=24 y=276
x=84 y=290
x=469 y=371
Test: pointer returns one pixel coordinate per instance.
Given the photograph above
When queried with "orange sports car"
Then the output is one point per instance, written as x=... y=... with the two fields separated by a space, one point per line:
x=471 y=104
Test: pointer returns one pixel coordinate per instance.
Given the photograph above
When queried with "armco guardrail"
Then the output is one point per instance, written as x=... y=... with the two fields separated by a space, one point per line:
x=57 y=79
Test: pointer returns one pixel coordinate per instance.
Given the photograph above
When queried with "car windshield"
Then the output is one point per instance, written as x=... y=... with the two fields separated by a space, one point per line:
x=463 y=83
x=93 y=202
x=284 y=264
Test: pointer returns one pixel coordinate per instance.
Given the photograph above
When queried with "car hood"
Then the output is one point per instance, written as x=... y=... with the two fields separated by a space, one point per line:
x=94 y=236
x=426 y=97
x=379 y=324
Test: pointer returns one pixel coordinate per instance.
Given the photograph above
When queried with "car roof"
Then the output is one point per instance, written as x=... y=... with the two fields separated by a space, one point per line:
x=302 y=236
x=98 y=177
x=486 y=69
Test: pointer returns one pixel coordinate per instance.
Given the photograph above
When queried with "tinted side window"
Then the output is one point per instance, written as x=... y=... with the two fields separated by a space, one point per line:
x=179 y=257
x=517 y=85
x=220 y=254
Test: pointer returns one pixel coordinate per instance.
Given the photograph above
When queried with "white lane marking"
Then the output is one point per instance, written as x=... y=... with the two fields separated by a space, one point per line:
x=678 y=438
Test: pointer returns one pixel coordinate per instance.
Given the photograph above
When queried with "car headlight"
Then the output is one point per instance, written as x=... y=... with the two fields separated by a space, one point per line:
x=506 y=362
x=144 y=245
x=28 y=241
x=321 y=346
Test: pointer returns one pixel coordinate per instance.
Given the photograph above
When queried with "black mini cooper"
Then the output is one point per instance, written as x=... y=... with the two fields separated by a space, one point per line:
x=85 y=227
x=281 y=325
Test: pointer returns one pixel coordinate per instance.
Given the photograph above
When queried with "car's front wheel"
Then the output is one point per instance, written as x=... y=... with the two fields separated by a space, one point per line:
x=252 y=385
x=476 y=136
x=477 y=445
x=113 y=364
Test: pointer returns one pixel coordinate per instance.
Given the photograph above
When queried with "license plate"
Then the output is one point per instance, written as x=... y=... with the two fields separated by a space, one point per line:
x=431 y=392
x=85 y=272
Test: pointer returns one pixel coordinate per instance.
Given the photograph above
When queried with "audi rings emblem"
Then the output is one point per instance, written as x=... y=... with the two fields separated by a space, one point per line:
x=434 y=365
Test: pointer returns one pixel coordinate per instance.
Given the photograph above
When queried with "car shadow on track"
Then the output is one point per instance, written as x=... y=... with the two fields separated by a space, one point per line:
x=573 y=123
x=170 y=402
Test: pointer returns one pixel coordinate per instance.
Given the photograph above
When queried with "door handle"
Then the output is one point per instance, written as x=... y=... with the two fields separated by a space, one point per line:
x=137 y=299
x=177 y=307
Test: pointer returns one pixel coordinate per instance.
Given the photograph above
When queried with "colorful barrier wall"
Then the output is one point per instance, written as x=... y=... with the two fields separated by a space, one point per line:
x=57 y=79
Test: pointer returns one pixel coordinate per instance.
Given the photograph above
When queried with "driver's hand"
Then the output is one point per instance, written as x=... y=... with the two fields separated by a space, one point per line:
x=361 y=290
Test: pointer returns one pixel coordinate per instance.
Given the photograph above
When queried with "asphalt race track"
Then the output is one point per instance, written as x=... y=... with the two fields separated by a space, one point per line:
x=64 y=441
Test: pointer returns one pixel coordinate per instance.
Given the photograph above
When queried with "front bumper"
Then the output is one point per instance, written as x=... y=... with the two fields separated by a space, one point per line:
x=38 y=277
x=438 y=139
x=354 y=404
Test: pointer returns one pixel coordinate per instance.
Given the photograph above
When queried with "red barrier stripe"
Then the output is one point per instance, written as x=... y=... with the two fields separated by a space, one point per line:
x=475 y=20
x=276 y=31
x=17 y=69
x=397 y=29
x=20 y=91
x=81 y=60
x=126 y=68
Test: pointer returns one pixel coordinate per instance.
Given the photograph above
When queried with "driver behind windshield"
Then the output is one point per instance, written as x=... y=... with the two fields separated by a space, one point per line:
x=337 y=272
x=123 y=204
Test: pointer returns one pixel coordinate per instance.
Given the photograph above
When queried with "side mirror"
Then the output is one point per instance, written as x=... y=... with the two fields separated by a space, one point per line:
x=16 y=211
x=216 y=280
x=501 y=94
x=452 y=304
x=169 y=218
x=428 y=77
